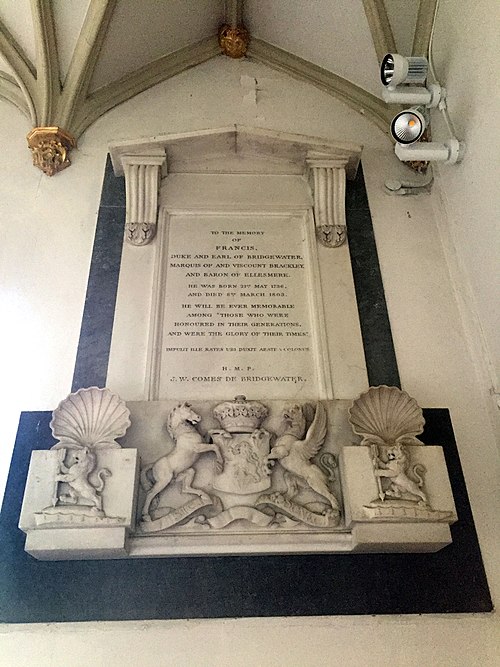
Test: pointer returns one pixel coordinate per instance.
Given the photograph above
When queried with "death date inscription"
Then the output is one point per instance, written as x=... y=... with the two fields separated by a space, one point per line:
x=240 y=306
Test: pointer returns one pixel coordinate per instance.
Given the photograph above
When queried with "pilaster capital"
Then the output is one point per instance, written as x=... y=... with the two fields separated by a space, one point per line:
x=328 y=180
x=316 y=160
x=142 y=179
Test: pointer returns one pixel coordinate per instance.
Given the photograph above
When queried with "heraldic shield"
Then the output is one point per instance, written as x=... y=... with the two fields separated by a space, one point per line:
x=244 y=447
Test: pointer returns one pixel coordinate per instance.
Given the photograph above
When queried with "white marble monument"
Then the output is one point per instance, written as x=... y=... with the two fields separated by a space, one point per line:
x=236 y=343
x=80 y=495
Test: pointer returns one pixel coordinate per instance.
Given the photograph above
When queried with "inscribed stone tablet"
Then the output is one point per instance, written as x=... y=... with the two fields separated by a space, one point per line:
x=236 y=308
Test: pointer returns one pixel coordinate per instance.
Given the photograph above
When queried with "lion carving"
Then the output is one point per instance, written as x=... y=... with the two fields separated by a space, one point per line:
x=77 y=478
x=396 y=471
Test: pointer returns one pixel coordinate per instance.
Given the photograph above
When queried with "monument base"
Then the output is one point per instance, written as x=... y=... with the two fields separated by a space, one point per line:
x=77 y=543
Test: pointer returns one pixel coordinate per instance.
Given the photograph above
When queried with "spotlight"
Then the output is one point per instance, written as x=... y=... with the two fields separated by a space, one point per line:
x=396 y=69
x=409 y=125
x=404 y=81
x=449 y=152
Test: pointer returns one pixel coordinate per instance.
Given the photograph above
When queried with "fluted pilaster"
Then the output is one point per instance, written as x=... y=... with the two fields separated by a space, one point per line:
x=328 y=182
x=142 y=178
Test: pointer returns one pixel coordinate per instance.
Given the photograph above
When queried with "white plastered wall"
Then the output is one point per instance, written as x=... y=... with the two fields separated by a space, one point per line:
x=466 y=47
x=47 y=234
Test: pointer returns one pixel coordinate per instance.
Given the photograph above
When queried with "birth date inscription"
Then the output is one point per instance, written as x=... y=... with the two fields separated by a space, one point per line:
x=236 y=307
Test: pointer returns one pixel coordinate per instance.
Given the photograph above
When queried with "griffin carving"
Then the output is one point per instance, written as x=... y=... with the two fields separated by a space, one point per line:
x=294 y=452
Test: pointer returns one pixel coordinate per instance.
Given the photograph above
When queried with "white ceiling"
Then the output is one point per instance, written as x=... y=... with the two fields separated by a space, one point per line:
x=143 y=30
x=334 y=35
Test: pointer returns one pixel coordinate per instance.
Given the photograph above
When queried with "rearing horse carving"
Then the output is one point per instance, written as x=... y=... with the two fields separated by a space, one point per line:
x=189 y=444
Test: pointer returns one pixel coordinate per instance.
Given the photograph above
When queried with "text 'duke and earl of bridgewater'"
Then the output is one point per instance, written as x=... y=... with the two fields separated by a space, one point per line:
x=236 y=308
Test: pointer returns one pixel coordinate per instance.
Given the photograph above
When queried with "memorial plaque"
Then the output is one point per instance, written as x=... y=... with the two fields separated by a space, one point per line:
x=242 y=286
x=236 y=311
x=243 y=445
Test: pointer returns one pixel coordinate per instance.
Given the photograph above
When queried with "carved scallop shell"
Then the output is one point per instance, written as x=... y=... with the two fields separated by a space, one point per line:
x=386 y=413
x=90 y=417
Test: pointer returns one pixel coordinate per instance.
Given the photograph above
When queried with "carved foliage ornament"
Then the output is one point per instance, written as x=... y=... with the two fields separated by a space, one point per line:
x=328 y=183
x=331 y=236
x=233 y=41
x=50 y=147
x=140 y=233
x=142 y=179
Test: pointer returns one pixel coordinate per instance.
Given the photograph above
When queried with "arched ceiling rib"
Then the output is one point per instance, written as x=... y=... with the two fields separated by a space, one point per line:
x=47 y=75
x=354 y=96
x=11 y=92
x=142 y=32
x=380 y=27
x=109 y=96
x=70 y=61
x=423 y=27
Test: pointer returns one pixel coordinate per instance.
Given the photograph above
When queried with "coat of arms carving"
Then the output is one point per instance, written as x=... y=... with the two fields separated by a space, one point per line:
x=263 y=478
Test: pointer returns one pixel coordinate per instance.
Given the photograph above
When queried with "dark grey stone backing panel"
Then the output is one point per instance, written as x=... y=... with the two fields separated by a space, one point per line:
x=92 y=357
x=376 y=332
x=449 y=581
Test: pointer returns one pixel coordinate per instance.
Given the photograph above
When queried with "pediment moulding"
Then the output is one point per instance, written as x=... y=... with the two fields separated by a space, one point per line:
x=232 y=150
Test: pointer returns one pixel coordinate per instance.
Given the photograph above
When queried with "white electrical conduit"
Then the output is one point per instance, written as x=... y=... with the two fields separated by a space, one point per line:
x=442 y=104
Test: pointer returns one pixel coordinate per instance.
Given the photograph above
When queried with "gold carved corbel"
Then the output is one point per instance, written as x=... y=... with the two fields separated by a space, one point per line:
x=233 y=40
x=50 y=147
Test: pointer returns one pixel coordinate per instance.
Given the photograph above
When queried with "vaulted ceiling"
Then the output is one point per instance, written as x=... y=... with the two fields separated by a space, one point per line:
x=66 y=62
